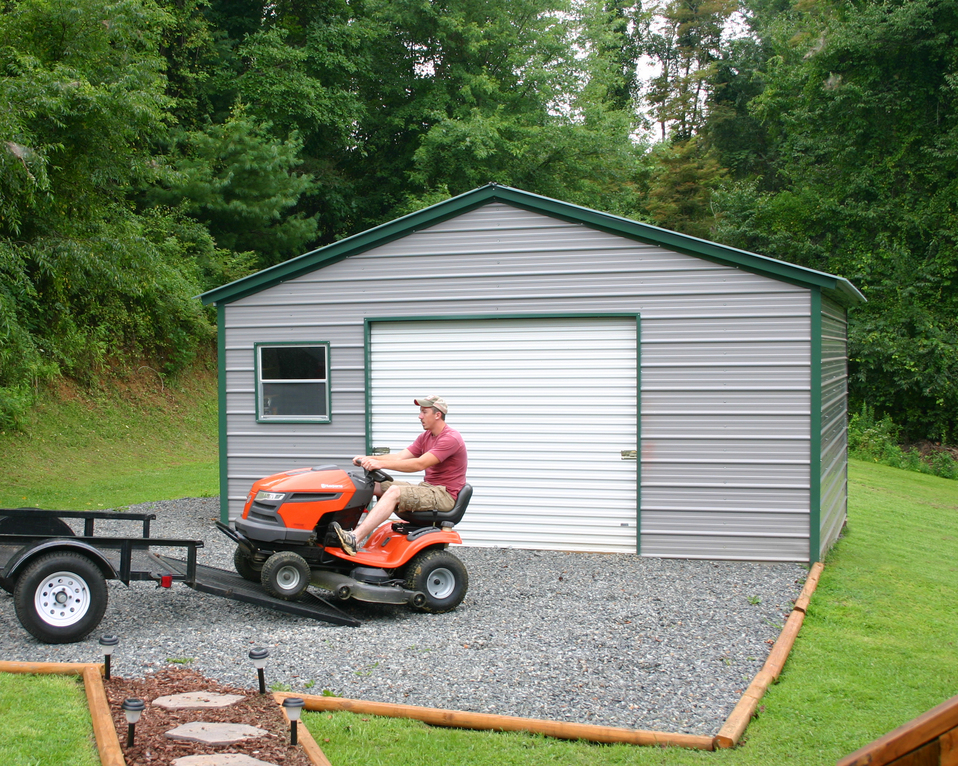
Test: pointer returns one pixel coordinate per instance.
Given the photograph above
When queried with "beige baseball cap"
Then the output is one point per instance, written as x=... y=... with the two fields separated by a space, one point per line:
x=433 y=401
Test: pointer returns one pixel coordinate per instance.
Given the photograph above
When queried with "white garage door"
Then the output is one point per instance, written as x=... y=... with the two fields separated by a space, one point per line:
x=546 y=407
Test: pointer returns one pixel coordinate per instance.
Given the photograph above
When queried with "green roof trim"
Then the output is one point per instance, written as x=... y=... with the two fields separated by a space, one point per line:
x=838 y=288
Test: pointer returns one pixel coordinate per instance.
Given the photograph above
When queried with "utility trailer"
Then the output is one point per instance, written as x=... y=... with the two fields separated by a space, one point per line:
x=58 y=577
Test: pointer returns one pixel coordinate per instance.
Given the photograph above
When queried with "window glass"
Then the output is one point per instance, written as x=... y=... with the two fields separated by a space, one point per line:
x=293 y=382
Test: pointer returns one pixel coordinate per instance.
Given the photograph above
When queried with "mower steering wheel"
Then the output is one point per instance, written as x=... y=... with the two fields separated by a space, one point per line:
x=379 y=476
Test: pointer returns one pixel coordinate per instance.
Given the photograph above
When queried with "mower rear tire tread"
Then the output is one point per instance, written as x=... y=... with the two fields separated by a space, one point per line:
x=441 y=577
x=286 y=575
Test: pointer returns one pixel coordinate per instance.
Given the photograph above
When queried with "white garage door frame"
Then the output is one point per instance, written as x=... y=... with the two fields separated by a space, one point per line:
x=549 y=407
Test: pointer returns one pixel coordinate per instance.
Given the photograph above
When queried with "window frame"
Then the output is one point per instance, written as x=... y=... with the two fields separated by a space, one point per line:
x=258 y=382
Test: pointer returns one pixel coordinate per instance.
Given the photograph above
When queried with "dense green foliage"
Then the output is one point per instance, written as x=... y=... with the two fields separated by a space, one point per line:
x=878 y=440
x=153 y=149
x=859 y=176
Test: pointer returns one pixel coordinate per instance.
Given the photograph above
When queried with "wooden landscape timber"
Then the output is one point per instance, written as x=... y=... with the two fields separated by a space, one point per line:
x=730 y=734
x=458 y=719
x=931 y=739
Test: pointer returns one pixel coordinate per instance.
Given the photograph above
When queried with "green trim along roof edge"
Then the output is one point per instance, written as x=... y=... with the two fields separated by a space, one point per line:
x=838 y=288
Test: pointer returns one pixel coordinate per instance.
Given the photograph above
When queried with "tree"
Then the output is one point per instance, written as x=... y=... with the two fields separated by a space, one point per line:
x=239 y=181
x=683 y=39
x=859 y=106
x=82 y=278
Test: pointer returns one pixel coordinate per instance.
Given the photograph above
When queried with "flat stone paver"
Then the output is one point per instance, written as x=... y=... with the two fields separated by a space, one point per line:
x=215 y=733
x=197 y=701
x=220 y=759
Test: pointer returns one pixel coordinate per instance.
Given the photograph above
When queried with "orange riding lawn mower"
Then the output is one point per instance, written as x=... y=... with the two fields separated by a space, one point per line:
x=284 y=542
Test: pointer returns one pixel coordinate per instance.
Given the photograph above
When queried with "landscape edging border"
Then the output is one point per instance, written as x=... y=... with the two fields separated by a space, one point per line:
x=104 y=729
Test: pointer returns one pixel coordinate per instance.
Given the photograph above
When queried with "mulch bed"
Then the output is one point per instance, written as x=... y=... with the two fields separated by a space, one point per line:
x=152 y=746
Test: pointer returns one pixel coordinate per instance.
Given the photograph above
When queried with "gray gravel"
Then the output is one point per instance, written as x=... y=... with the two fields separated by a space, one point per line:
x=610 y=639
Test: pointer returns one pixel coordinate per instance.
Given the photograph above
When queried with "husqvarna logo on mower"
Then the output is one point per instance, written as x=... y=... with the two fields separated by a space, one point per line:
x=331 y=486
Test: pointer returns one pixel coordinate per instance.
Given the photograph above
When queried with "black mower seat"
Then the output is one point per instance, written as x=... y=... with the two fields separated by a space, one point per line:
x=439 y=518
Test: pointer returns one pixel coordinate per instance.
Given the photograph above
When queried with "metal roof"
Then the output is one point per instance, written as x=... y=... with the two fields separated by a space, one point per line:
x=838 y=288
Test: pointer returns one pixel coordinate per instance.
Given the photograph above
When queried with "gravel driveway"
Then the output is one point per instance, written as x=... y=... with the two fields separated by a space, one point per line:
x=611 y=639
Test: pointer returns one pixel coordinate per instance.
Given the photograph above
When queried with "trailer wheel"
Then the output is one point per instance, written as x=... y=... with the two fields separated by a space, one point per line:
x=244 y=566
x=441 y=577
x=286 y=575
x=60 y=598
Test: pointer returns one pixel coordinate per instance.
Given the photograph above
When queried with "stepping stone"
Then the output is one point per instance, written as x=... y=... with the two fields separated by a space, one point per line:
x=220 y=759
x=215 y=733
x=197 y=701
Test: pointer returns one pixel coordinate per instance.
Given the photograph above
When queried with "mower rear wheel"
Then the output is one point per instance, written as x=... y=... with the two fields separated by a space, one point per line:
x=441 y=577
x=244 y=566
x=285 y=575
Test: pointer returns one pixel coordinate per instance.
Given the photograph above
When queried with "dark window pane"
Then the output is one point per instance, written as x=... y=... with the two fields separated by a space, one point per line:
x=294 y=400
x=293 y=363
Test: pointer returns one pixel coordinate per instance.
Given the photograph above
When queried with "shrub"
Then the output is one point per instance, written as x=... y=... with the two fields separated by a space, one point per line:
x=877 y=440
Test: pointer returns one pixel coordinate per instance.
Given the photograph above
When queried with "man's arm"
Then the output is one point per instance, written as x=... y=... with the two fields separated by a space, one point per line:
x=404 y=462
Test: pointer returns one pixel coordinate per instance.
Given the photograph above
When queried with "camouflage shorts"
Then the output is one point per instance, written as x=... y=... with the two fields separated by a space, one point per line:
x=421 y=497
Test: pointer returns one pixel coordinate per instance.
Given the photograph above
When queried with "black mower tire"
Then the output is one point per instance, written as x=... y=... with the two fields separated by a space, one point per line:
x=244 y=566
x=286 y=575
x=441 y=577
x=60 y=598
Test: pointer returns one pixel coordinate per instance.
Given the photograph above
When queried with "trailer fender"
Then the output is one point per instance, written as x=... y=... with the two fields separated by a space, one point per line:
x=28 y=553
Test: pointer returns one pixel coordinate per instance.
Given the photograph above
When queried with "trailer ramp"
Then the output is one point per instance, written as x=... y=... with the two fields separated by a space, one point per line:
x=219 y=582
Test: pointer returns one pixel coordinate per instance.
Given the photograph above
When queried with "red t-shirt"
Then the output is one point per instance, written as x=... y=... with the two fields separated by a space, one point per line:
x=450 y=471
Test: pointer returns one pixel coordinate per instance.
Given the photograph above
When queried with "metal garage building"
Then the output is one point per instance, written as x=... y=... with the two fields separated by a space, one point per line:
x=620 y=387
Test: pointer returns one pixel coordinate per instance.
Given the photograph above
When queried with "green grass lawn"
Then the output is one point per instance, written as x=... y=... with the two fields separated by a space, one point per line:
x=877 y=648
x=44 y=721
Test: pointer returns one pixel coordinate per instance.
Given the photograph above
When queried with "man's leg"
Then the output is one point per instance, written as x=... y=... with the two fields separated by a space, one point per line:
x=352 y=541
x=383 y=509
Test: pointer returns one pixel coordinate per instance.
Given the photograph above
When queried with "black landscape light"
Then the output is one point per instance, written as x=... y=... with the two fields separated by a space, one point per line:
x=293 y=707
x=108 y=642
x=133 y=708
x=259 y=655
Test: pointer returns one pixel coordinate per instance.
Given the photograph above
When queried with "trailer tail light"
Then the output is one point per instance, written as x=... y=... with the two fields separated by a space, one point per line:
x=166 y=581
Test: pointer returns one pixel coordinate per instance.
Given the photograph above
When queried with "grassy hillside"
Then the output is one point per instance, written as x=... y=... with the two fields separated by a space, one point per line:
x=135 y=439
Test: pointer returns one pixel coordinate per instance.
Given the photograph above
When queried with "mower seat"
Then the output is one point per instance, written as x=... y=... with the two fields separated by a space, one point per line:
x=439 y=518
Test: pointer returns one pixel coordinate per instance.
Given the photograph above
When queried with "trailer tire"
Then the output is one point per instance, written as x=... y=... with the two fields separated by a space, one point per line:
x=244 y=566
x=286 y=575
x=60 y=598
x=441 y=577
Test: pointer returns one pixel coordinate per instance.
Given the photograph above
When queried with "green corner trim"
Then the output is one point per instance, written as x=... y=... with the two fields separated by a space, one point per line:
x=815 y=433
x=221 y=412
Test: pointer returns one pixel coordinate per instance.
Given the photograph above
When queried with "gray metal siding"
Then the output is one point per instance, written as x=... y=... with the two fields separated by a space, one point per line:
x=834 y=435
x=725 y=365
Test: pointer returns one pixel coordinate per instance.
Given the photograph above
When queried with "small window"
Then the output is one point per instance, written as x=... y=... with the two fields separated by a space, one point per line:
x=292 y=382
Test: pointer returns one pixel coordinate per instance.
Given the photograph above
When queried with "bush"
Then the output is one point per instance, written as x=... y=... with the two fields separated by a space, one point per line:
x=877 y=440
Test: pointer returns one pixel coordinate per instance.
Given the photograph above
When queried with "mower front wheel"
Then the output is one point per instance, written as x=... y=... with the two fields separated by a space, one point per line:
x=441 y=577
x=286 y=575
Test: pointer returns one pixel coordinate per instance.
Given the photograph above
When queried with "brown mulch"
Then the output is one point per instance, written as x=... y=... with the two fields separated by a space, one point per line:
x=152 y=746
